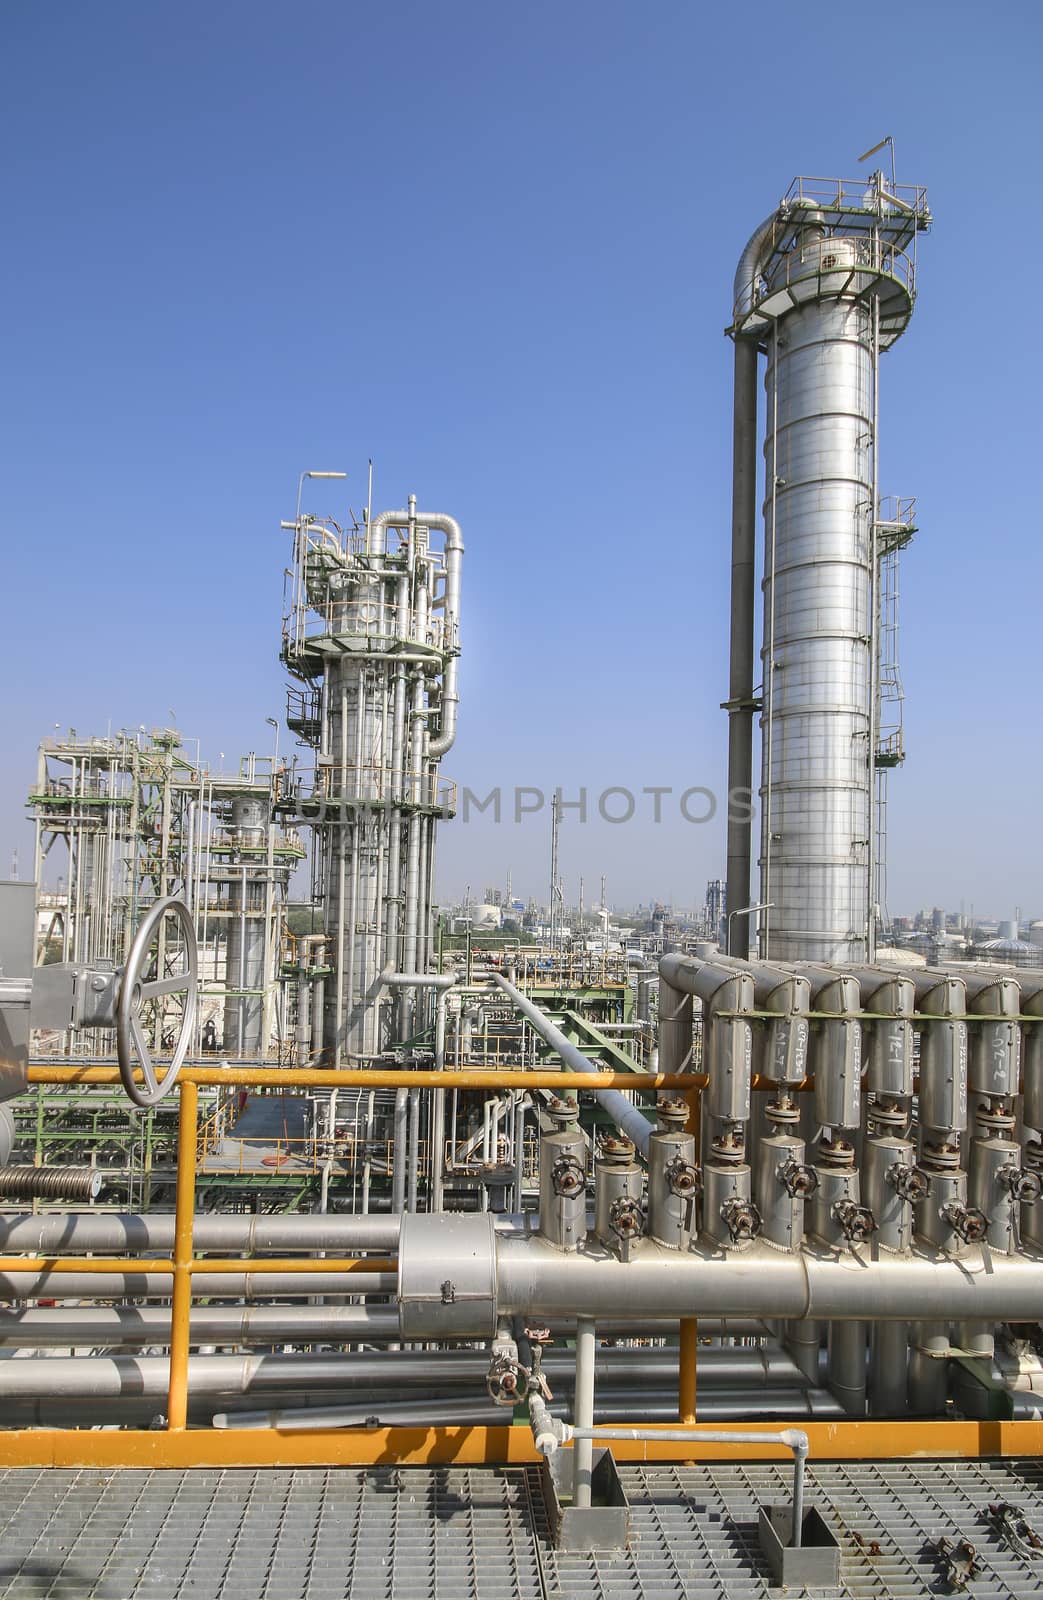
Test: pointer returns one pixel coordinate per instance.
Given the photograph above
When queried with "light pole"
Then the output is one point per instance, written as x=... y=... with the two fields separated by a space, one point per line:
x=746 y=911
x=273 y=723
x=300 y=485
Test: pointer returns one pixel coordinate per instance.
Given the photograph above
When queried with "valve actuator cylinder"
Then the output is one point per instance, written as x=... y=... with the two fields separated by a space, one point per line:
x=563 y=1187
x=673 y=1186
x=892 y=1184
x=618 y=1180
x=781 y=1184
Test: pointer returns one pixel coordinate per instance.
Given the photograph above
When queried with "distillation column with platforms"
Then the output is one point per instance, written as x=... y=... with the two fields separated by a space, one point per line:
x=372 y=632
x=824 y=285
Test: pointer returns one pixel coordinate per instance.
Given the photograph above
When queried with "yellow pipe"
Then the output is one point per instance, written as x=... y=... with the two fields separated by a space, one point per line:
x=184 y=1215
x=686 y=1371
x=230 y=1264
x=474 y=1446
x=374 y=1078
x=82 y=1264
x=397 y=1078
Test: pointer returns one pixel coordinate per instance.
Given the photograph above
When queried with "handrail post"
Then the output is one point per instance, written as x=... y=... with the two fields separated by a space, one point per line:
x=686 y=1379
x=184 y=1216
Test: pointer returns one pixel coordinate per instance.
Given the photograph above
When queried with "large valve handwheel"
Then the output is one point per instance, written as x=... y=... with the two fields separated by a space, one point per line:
x=132 y=1047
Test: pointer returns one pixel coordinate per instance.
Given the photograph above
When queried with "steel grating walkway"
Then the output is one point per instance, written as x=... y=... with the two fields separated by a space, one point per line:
x=481 y=1533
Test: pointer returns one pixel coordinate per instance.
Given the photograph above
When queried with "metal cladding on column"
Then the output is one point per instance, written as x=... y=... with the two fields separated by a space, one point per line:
x=815 y=783
x=247 y=944
x=372 y=631
x=823 y=286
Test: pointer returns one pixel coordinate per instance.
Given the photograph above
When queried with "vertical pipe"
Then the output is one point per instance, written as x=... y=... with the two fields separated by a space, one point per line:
x=675 y=1028
x=888 y=1357
x=177 y=1394
x=686 y=1370
x=519 y=1153
x=398 y=1169
x=583 y=1409
x=414 y=1146
x=436 y=1157
x=689 y=1342
x=740 y=705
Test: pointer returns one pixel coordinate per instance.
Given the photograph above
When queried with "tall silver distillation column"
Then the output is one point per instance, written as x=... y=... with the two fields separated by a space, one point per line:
x=372 y=631
x=824 y=285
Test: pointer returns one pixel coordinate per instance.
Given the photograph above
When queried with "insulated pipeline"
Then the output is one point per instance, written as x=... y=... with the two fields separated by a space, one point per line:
x=66 y=1232
x=133 y=1326
x=628 y=1119
x=34 y=1285
x=532 y=1278
x=130 y=1411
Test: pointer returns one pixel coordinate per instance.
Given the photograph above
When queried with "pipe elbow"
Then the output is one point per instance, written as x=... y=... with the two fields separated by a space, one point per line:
x=748 y=270
x=758 y=248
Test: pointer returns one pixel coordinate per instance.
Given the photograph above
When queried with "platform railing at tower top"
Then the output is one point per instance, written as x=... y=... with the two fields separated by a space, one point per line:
x=184 y=1264
x=373 y=784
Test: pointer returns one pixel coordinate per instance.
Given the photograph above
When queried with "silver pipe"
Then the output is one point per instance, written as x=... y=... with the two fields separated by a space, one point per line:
x=308 y=1411
x=888 y=1363
x=750 y=266
x=437 y=1190
x=846 y=1356
x=454 y=550
x=534 y=1279
x=583 y=1409
x=65 y=1232
x=414 y=1149
x=30 y=1285
x=398 y=1173
x=628 y=1119
x=130 y=1326
x=476 y=1413
x=99 y=1377
x=420 y=980
x=675 y=1028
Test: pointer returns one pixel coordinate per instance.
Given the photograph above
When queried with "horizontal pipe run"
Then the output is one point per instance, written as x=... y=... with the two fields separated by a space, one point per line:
x=274 y=1264
x=726 y=1406
x=87 y=1377
x=385 y=1078
x=534 y=1279
x=130 y=1328
x=267 y=1264
x=133 y=1326
x=62 y=1232
x=126 y=1283
x=104 y=1377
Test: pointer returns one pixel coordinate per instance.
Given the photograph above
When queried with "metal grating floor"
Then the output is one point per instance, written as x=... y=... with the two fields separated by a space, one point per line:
x=481 y=1534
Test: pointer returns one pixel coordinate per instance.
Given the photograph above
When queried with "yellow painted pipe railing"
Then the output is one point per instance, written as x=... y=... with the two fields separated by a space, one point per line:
x=183 y=1264
x=392 y=1078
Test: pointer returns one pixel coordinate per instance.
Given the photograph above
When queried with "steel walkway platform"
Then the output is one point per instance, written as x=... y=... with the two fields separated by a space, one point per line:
x=386 y=1533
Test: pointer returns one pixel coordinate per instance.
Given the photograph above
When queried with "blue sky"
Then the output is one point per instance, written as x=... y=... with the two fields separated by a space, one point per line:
x=492 y=247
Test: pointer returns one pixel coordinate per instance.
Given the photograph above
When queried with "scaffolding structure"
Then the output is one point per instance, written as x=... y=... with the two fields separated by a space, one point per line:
x=139 y=818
